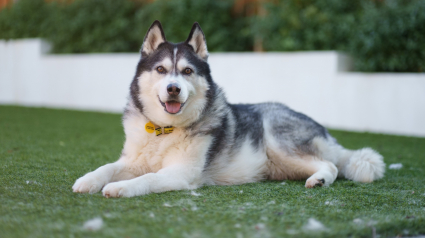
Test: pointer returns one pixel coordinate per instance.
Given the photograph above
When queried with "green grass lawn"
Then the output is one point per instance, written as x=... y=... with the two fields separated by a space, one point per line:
x=43 y=152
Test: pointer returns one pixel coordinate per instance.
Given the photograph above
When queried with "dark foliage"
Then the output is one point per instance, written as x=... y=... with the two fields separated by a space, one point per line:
x=86 y=26
x=390 y=38
x=299 y=25
x=386 y=36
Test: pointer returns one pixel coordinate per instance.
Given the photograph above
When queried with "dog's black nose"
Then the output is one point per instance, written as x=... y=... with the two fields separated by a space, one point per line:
x=173 y=89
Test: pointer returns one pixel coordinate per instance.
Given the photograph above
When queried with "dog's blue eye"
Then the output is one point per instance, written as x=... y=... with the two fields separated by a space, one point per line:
x=187 y=71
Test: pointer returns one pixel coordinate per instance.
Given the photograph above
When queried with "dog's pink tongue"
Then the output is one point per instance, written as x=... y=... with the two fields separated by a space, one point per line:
x=172 y=107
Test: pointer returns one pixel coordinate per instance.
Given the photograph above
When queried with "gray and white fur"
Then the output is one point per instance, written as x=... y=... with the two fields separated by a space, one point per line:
x=214 y=142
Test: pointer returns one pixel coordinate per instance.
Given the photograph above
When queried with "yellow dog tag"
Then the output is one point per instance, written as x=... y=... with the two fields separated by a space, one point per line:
x=150 y=127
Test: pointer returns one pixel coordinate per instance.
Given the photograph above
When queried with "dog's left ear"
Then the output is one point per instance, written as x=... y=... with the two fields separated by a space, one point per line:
x=197 y=40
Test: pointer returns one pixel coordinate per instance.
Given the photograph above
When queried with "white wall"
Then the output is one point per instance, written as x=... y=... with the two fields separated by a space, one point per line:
x=315 y=83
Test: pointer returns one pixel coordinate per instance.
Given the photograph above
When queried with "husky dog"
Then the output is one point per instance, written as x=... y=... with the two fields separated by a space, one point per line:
x=201 y=139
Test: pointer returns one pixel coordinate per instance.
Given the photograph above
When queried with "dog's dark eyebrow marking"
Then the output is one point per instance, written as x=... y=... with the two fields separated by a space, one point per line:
x=186 y=51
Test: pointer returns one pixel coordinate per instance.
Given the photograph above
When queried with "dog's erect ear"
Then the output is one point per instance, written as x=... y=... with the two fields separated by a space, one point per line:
x=197 y=40
x=153 y=38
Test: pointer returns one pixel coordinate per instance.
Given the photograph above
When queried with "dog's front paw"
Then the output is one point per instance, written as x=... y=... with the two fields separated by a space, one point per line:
x=117 y=189
x=314 y=182
x=89 y=183
x=127 y=188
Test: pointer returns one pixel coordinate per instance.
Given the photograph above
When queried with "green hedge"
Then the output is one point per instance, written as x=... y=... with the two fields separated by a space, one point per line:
x=225 y=31
x=80 y=27
x=382 y=36
x=386 y=35
x=86 y=26
x=300 y=25
x=390 y=38
x=26 y=19
x=94 y=26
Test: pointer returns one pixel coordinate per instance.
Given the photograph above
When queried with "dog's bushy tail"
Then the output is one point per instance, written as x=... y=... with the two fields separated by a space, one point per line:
x=364 y=165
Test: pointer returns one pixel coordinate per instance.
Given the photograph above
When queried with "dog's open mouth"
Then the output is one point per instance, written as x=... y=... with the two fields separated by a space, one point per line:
x=171 y=107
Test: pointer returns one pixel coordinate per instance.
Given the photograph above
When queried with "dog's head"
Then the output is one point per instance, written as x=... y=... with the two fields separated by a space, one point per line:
x=172 y=81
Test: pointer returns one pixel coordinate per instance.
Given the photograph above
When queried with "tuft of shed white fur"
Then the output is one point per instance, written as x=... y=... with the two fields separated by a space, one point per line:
x=193 y=193
x=93 y=224
x=314 y=225
x=395 y=166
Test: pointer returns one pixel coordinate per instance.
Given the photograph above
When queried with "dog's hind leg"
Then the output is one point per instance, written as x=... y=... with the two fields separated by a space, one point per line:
x=318 y=172
x=324 y=176
x=364 y=165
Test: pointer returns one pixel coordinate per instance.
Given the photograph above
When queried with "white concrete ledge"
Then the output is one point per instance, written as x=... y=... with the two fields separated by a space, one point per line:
x=315 y=83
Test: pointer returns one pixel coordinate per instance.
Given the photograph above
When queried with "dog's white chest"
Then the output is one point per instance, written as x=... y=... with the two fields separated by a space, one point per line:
x=153 y=149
